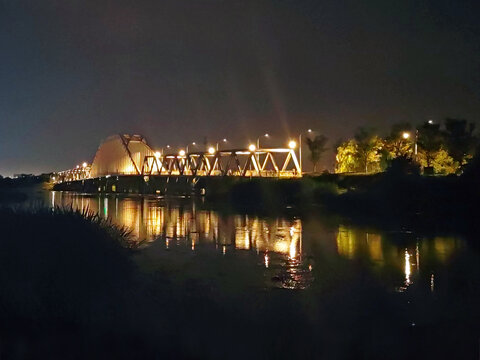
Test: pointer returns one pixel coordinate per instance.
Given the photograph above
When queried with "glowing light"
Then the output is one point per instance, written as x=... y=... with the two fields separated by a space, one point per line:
x=194 y=143
x=78 y=166
x=267 y=260
x=181 y=152
x=309 y=130
x=292 y=230
x=252 y=147
x=292 y=144
x=84 y=165
x=430 y=122
x=211 y=150
x=406 y=135
x=224 y=140
x=407 y=268
x=293 y=250
x=266 y=135
x=157 y=154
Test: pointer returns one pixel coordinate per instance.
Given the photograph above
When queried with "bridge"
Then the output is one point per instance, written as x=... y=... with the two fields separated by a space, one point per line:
x=130 y=155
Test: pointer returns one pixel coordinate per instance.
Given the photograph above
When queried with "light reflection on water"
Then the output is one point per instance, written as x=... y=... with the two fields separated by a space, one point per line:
x=277 y=242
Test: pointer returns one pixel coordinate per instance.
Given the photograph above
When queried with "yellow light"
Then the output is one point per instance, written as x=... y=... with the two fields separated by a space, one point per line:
x=84 y=165
x=157 y=154
x=181 y=152
x=252 y=147
x=292 y=144
x=78 y=166
x=405 y=135
x=211 y=150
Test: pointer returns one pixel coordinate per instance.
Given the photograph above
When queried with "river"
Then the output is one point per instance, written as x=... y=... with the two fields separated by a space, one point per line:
x=283 y=250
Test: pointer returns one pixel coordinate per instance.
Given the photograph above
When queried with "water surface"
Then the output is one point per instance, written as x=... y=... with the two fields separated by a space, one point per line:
x=283 y=251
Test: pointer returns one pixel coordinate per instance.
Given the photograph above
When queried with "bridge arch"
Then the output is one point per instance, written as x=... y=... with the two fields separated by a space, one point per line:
x=120 y=155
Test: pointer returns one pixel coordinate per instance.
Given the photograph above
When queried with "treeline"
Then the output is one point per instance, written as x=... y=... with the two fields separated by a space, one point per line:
x=431 y=147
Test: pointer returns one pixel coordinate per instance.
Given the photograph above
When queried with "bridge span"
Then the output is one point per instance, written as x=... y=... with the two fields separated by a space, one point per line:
x=127 y=156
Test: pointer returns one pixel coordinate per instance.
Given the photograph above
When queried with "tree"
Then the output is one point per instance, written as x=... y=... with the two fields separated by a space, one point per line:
x=429 y=141
x=368 y=149
x=441 y=162
x=400 y=141
x=317 y=148
x=347 y=157
x=459 y=139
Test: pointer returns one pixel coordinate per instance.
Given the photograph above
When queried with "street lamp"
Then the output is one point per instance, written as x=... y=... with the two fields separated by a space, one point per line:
x=84 y=165
x=181 y=152
x=258 y=139
x=158 y=154
x=292 y=144
x=211 y=150
x=405 y=135
x=193 y=144
x=251 y=147
x=224 y=141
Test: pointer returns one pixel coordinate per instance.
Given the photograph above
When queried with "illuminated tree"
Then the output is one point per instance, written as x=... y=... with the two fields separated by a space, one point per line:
x=400 y=141
x=347 y=159
x=317 y=148
x=440 y=160
x=368 y=149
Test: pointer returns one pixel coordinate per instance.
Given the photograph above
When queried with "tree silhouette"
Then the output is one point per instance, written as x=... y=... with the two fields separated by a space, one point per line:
x=429 y=141
x=459 y=138
x=317 y=148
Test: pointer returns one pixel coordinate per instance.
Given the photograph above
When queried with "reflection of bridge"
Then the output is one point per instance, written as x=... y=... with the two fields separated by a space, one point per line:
x=131 y=155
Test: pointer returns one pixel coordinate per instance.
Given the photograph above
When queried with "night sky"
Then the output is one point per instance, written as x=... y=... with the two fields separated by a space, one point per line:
x=73 y=72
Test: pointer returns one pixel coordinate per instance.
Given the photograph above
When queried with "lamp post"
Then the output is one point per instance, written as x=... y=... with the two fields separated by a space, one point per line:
x=258 y=139
x=223 y=140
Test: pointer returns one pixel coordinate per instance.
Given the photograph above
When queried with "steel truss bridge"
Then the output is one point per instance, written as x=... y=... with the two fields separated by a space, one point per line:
x=130 y=155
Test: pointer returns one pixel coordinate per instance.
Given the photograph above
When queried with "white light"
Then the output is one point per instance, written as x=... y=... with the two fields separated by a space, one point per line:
x=78 y=166
x=405 y=135
x=84 y=165
x=309 y=130
x=224 y=140
x=292 y=144
x=157 y=154
x=251 y=147
x=430 y=122
x=168 y=146
x=266 y=135
x=211 y=150
x=193 y=143
x=181 y=152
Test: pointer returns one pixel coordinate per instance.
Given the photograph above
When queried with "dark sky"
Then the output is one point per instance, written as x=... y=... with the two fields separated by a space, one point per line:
x=73 y=72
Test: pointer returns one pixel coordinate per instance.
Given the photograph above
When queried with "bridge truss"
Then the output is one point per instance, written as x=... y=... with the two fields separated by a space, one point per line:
x=271 y=162
x=274 y=162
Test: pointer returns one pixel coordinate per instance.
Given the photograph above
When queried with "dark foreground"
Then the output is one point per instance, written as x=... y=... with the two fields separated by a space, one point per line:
x=70 y=289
